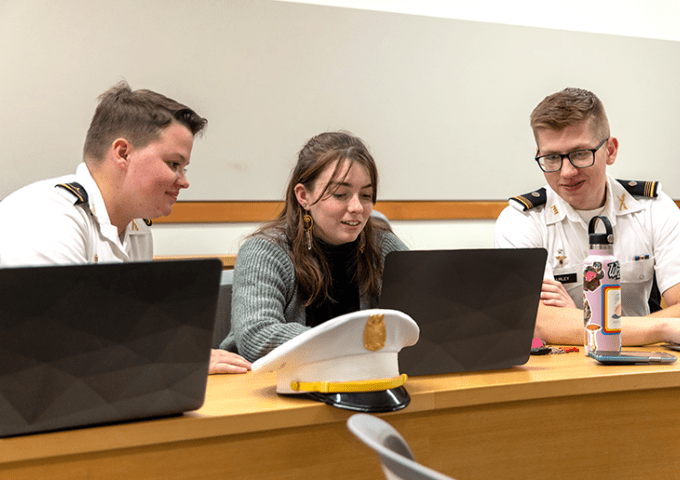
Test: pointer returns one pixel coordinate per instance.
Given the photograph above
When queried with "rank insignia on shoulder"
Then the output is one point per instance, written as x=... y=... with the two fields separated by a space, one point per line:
x=640 y=188
x=76 y=189
x=531 y=200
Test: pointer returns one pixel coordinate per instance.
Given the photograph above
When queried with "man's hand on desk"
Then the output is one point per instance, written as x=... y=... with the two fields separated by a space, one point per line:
x=222 y=361
x=554 y=294
x=669 y=328
x=564 y=326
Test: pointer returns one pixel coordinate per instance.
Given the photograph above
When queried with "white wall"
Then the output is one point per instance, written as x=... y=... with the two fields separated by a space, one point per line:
x=659 y=19
x=443 y=103
x=638 y=18
x=226 y=238
x=56 y=57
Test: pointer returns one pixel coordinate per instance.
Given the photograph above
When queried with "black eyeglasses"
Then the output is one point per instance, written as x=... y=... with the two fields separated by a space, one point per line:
x=579 y=159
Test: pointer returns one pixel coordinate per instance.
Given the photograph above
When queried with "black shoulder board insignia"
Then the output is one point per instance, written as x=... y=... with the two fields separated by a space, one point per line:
x=641 y=189
x=531 y=200
x=148 y=222
x=76 y=189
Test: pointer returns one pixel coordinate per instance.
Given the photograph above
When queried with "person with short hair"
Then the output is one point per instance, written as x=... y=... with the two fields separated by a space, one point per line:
x=574 y=149
x=135 y=156
x=321 y=258
x=136 y=153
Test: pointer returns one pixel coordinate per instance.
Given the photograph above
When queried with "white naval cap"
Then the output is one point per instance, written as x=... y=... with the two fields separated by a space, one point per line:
x=350 y=362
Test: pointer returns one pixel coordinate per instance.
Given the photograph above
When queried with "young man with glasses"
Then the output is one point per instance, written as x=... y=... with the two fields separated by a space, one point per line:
x=574 y=148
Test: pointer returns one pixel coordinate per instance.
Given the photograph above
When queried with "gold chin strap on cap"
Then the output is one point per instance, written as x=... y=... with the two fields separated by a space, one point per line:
x=356 y=386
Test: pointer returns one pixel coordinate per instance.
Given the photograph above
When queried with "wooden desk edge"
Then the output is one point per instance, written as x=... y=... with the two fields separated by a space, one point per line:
x=427 y=393
x=227 y=260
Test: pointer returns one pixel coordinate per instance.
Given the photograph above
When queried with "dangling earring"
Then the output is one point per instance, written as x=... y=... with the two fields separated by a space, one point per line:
x=309 y=223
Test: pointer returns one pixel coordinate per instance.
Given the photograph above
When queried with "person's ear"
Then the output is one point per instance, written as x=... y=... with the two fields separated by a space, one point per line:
x=121 y=149
x=302 y=195
x=612 y=150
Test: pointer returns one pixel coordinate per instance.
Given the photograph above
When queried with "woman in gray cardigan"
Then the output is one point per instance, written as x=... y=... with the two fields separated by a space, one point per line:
x=322 y=257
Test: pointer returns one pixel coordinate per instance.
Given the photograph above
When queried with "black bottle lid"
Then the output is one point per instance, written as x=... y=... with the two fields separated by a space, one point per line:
x=606 y=238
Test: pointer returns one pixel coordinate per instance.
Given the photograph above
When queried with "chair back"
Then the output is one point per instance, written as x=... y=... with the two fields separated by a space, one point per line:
x=223 y=314
x=396 y=458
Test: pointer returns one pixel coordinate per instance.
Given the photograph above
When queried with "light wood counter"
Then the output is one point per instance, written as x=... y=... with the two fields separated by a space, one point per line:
x=227 y=260
x=560 y=415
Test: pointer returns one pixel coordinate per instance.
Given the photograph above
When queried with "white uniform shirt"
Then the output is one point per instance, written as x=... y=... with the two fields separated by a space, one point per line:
x=646 y=240
x=42 y=225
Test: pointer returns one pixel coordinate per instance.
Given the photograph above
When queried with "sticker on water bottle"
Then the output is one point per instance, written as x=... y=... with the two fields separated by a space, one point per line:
x=614 y=273
x=612 y=309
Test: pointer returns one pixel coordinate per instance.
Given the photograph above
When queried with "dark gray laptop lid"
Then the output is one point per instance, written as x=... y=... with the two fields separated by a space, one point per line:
x=91 y=344
x=476 y=309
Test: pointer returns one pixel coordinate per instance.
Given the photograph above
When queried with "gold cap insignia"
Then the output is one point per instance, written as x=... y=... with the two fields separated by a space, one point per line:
x=375 y=333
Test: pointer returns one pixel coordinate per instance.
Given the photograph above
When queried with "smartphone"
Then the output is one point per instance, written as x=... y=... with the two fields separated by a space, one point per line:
x=629 y=358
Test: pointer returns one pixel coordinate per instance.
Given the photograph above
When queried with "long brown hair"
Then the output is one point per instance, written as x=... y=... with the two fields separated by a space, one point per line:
x=311 y=268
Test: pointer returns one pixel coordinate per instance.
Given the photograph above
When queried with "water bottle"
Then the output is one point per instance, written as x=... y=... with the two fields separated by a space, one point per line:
x=601 y=292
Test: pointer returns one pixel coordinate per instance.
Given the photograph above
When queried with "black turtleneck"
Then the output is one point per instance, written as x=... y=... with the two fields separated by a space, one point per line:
x=344 y=290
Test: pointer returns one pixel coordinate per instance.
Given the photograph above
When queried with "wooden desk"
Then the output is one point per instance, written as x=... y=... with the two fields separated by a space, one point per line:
x=227 y=259
x=559 y=415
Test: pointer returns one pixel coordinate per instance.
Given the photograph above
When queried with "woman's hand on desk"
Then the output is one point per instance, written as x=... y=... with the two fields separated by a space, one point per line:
x=554 y=294
x=222 y=361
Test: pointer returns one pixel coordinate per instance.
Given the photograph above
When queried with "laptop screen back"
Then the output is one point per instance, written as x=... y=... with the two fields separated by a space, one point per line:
x=476 y=308
x=91 y=344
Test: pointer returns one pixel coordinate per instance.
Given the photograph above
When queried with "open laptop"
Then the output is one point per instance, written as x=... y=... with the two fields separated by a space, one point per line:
x=476 y=309
x=92 y=344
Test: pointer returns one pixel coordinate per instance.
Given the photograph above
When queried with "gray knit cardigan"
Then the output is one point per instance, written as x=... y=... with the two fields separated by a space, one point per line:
x=266 y=309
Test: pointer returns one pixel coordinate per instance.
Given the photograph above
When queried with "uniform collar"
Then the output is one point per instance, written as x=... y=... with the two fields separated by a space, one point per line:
x=557 y=209
x=619 y=202
x=99 y=212
x=95 y=199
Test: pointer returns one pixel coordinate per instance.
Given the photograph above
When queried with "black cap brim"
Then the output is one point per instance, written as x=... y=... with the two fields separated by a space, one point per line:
x=368 y=402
